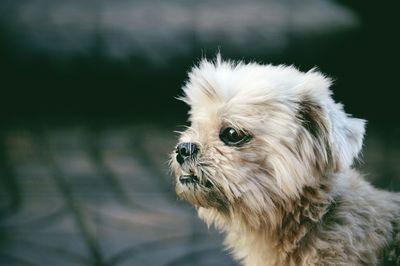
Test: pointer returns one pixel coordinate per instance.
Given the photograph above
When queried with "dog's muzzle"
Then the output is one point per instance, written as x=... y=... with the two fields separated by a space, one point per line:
x=187 y=151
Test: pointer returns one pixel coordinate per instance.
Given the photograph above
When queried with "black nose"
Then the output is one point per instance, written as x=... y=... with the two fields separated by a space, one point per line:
x=185 y=150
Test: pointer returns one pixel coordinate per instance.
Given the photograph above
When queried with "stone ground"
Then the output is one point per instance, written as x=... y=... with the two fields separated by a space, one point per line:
x=79 y=195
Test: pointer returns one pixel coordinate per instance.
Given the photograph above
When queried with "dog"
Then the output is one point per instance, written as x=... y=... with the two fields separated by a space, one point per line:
x=267 y=159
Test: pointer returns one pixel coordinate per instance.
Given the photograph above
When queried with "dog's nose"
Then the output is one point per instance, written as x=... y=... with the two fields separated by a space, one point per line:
x=185 y=150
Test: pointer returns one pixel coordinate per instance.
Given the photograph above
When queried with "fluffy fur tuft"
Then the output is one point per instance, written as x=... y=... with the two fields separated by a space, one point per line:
x=288 y=195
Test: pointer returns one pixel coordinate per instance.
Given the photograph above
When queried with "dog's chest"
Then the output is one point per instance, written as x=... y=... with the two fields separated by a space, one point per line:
x=253 y=249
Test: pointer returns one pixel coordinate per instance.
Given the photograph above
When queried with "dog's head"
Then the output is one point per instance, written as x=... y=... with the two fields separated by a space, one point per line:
x=259 y=135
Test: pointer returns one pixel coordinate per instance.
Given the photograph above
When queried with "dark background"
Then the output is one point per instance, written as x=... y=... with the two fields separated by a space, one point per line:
x=92 y=62
x=87 y=111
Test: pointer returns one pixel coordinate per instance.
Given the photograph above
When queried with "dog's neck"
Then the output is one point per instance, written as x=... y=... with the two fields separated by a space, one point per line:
x=293 y=223
x=300 y=218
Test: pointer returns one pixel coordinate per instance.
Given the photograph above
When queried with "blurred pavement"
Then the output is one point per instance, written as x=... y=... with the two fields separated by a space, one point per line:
x=78 y=196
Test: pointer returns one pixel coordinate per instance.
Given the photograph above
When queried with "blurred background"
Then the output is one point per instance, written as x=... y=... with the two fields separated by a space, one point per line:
x=87 y=114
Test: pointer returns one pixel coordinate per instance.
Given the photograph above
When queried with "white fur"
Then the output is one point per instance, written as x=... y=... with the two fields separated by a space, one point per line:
x=274 y=195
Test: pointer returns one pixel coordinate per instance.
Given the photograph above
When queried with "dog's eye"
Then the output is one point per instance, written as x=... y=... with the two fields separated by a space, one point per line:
x=233 y=137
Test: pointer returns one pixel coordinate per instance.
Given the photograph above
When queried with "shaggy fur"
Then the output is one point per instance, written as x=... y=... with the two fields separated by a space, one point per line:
x=288 y=195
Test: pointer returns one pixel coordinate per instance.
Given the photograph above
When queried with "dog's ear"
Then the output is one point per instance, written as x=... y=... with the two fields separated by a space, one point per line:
x=336 y=137
x=347 y=134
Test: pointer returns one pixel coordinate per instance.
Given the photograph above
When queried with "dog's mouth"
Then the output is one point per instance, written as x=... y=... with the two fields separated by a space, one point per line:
x=188 y=179
x=194 y=180
x=201 y=192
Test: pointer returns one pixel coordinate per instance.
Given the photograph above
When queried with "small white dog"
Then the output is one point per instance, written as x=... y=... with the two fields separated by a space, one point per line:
x=267 y=159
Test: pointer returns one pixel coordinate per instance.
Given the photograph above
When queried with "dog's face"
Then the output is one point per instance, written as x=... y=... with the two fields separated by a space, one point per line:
x=259 y=135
